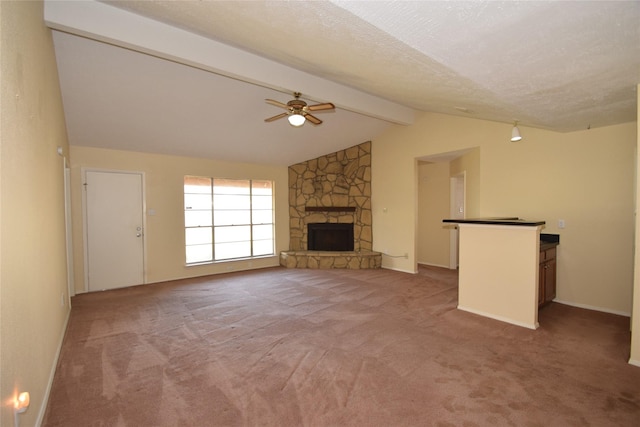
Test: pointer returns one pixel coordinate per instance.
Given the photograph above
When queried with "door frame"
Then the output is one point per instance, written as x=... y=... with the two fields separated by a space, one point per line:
x=68 y=222
x=85 y=237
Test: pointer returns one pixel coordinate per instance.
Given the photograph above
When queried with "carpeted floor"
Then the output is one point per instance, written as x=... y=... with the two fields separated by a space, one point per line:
x=287 y=347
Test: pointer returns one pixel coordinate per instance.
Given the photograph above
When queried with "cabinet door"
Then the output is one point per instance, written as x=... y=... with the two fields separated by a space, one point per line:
x=541 y=283
x=549 y=280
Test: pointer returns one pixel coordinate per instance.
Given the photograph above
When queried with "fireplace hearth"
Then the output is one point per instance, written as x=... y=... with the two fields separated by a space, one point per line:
x=325 y=236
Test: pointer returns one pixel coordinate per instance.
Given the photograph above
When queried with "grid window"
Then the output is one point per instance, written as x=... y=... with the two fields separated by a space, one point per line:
x=227 y=219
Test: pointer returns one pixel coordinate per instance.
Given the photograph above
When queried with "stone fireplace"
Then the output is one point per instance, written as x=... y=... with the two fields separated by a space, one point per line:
x=332 y=189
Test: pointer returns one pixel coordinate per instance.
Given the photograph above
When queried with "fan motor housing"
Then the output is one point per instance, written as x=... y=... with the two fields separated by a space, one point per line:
x=297 y=104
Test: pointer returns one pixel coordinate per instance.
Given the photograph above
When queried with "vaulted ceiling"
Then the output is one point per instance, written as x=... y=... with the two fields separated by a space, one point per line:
x=190 y=77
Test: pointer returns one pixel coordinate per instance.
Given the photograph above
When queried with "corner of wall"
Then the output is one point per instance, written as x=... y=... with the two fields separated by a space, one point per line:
x=635 y=307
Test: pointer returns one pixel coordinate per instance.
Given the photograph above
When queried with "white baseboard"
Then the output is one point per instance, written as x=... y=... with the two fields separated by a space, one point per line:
x=500 y=318
x=52 y=373
x=591 y=307
x=434 y=265
x=400 y=270
x=634 y=362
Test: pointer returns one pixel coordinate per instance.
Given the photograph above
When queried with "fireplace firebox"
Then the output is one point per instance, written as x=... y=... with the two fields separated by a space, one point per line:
x=325 y=236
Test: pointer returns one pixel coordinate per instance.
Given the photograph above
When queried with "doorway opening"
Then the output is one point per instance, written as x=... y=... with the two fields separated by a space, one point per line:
x=448 y=186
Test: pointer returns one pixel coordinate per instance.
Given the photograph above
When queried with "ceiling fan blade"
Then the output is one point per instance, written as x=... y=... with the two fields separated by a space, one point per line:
x=313 y=119
x=277 y=104
x=279 y=116
x=319 y=107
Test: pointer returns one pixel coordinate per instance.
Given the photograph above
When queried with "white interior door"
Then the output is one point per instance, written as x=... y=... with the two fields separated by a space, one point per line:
x=114 y=229
x=457 y=212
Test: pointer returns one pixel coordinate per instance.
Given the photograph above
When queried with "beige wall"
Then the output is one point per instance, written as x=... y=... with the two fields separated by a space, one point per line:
x=635 y=326
x=164 y=232
x=584 y=177
x=433 y=206
x=33 y=281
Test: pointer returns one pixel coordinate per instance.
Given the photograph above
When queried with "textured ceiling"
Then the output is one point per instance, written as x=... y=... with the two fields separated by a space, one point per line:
x=561 y=66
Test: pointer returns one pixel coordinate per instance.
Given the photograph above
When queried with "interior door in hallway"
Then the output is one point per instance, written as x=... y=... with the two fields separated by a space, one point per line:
x=114 y=230
x=457 y=200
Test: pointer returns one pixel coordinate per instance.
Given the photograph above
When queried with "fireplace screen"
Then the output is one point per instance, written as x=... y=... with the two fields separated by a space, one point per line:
x=324 y=236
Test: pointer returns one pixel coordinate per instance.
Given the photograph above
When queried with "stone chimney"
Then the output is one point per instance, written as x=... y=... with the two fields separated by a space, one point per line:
x=335 y=188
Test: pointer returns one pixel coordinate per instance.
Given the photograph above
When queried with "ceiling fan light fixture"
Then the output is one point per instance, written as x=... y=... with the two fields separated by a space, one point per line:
x=298 y=112
x=515 y=133
x=296 y=120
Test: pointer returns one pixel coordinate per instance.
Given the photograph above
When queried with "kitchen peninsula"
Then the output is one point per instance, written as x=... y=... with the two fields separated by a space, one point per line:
x=499 y=268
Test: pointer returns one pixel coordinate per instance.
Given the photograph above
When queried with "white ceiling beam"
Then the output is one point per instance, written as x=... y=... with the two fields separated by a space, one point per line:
x=105 y=23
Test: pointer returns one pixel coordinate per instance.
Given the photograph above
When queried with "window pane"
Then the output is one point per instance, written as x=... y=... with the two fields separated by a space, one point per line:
x=231 y=202
x=197 y=201
x=197 y=184
x=223 y=216
x=197 y=218
x=232 y=217
x=232 y=234
x=197 y=236
x=262 y=232
x=261 y=202
x=262 y=217
x=262 y=247
x=262 y=188
x=233 y=250
x=230 y=186
x=199 y=253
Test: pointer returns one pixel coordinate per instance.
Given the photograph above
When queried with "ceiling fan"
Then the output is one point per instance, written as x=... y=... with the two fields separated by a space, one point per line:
x=298 y=111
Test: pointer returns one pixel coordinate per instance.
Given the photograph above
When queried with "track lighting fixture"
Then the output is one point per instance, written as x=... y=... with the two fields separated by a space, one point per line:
x=20 y=405
x=515 y=133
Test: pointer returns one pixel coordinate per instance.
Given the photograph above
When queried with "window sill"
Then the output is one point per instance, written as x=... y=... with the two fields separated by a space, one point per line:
x=225 y=261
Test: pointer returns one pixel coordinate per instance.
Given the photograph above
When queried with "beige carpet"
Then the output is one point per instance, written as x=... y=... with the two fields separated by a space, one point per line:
x=280 y=347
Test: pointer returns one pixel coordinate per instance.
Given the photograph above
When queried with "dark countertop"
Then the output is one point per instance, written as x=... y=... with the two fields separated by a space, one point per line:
x=496 y=221
x=548 y=241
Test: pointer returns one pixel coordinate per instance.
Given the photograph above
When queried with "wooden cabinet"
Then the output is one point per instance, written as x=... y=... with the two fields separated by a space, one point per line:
x=547 y=277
